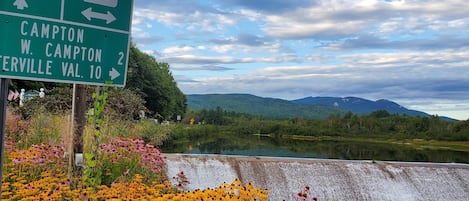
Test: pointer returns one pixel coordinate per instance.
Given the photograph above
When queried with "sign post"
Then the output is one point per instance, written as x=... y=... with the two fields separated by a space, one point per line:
x=3 y=110
x=83 y=42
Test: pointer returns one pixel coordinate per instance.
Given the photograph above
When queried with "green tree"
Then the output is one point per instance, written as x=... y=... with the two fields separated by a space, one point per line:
x=380 y=114
x=154 y=82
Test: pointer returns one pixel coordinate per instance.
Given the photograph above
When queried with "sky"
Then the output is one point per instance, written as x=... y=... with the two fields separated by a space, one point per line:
x=413 y=52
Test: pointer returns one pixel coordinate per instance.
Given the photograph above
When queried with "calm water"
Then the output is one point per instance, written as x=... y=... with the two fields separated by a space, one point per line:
x=327 y=149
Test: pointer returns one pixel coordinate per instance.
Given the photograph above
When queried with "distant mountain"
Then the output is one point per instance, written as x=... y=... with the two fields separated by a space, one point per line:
x=364 y=106
x=360 y=105
x=309 y=107
x=270 y=107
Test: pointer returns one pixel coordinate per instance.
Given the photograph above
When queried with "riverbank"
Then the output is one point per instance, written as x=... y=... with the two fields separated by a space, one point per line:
x=415 y=143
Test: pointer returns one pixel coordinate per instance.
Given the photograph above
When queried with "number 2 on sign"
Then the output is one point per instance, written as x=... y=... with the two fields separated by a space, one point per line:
x=121 y=58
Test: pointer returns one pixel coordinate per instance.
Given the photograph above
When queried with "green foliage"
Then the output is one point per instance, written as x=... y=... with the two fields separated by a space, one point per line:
x=215 y=116
x=144 y=129
x=57 y=101
x=380 y=114
x=378 y=124
x=117 y=128
x=93 y=172
x=124 y=104
x=121 y=103
x=154 y=82
x=153 y=133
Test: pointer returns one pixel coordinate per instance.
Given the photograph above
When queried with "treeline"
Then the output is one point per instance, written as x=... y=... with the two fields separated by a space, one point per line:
x=379 y=124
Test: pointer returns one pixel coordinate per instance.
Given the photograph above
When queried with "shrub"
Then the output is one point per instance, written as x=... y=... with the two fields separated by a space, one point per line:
x=124 y=158
x=121 y=104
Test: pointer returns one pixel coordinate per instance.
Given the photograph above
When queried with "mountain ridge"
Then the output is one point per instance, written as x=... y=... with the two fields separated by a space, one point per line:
x=255 y=105
x=308 y=107
x=360 y=105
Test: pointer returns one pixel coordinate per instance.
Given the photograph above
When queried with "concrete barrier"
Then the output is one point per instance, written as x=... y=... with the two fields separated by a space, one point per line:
x=328 y=179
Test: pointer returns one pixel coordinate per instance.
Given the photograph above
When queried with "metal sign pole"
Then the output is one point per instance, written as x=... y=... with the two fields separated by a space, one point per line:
x=3 y=113
x=71 y=154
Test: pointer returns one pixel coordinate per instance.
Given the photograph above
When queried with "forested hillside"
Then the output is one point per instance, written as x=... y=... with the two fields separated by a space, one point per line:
x=310 y=107
x=250 y=104
x=360 y=105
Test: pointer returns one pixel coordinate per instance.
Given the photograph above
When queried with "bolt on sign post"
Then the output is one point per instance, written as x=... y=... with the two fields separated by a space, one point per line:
x=69 y=41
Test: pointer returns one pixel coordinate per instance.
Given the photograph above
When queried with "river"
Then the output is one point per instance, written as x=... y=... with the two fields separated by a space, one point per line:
x=255 y=145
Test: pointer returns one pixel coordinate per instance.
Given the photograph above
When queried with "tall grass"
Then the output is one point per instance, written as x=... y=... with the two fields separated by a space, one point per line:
x=41 y=127
x=145 y=129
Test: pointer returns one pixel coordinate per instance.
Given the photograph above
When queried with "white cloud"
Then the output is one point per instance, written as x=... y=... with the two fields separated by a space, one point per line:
x=398 y=50
x=194 y=59
x=338 y=19
x=202 y=67
x=181 y=50
x=191 y=20
x=149 y=52
x=267 y=47
x=249 y=14
x=138 y=32
x=311 y=29
x=444 y=59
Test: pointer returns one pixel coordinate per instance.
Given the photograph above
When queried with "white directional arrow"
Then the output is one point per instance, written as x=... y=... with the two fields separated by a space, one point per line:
x=20 y=4
x=108 y=3
x=88 y=13
x=114 y=74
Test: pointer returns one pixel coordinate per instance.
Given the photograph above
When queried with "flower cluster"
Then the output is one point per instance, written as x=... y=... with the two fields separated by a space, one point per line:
x=125 y=149
x=16 y=127
x=52 y=183
x=37 y=155
x=182 y=180
x=232 y=192
x=304 y=194
x=123 y=158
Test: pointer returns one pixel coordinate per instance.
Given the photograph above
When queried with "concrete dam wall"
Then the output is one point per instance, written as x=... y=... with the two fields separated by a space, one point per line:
x=328 y=179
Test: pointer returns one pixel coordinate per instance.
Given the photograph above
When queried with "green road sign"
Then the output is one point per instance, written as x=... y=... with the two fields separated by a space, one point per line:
x=71 y=41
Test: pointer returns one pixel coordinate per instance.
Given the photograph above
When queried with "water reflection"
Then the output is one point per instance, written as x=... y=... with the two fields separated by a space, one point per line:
x=250 y=145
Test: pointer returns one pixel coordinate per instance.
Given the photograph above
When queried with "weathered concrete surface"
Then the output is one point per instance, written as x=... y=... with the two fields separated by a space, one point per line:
x=329 y=179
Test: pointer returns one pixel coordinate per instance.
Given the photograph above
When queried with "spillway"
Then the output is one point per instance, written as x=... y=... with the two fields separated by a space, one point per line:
x=328 y=179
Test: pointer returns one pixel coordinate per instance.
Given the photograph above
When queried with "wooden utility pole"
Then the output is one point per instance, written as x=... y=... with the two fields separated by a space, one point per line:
x=79 y=118
x=79 y=123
